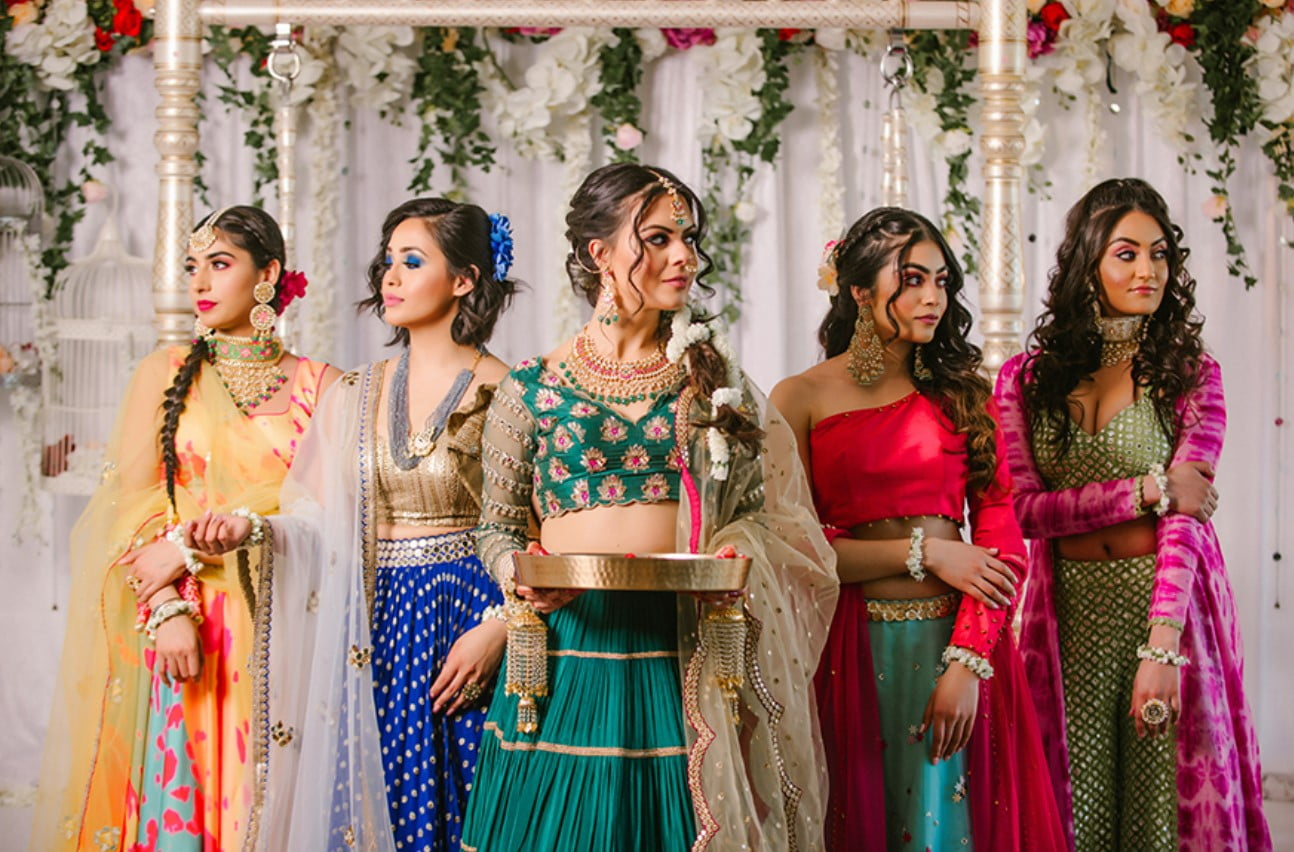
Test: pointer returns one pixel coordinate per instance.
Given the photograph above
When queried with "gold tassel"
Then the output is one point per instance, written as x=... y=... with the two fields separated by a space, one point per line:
x=725 y=632
x=527 y=675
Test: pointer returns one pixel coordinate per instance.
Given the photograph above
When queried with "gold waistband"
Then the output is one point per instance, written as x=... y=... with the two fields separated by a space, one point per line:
x=414 y=552
x=920 y=609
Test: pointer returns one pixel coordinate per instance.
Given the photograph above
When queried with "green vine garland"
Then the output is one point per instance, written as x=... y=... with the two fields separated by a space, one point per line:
x=446 y=96
x=621 y=73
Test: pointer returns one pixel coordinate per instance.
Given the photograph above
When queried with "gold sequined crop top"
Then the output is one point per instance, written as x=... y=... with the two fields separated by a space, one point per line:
x=444 y=489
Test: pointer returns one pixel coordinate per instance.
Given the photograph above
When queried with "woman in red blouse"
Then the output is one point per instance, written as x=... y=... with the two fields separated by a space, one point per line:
x=932 y=743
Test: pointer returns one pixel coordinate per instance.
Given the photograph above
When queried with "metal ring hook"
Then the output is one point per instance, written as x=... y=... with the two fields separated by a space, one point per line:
x=284 y=62
x=896 y=69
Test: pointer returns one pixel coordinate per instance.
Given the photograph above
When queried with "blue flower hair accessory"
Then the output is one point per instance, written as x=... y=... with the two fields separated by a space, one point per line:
x=501 y=244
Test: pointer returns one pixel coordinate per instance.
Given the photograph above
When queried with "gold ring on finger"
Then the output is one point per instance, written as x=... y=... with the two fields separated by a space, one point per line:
x=1154 y=712
x=470 y=691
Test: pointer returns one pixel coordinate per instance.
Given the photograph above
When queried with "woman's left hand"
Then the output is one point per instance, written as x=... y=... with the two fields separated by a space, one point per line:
x=1156 y=681
x=469 y=667
x=154 y=567
x=717 y=598
x=950 y=712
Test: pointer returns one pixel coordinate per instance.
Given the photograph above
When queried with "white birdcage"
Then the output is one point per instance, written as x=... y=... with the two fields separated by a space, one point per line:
x=103 y=314
x=22 y=209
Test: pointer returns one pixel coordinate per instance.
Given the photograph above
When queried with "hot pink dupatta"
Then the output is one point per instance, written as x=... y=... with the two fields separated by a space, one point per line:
x=1218 y=779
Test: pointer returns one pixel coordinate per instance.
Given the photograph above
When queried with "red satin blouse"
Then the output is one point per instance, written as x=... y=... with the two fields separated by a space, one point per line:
x=906 y=459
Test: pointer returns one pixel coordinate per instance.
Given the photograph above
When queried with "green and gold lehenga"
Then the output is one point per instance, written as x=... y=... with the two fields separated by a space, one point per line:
x=635 y=746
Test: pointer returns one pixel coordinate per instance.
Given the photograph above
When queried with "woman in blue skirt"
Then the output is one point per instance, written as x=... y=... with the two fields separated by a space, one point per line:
x=380 y=511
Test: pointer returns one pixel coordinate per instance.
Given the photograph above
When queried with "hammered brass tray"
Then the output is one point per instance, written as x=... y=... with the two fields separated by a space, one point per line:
x=651 y=572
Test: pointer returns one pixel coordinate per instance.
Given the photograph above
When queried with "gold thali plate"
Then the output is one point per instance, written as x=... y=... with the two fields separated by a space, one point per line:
x=651 y=572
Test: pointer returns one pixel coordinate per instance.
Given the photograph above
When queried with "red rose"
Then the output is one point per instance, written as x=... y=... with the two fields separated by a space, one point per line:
x=127 y=19
x=103 y=39
x=1183 y=34
x=786 y=34
x=1053 y=15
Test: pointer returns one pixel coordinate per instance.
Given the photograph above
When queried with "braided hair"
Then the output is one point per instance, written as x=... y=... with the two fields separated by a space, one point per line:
x=618 y=196
x=255 y=232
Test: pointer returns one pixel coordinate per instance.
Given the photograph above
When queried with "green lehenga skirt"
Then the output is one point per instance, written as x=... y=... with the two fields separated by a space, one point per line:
x=607 y=769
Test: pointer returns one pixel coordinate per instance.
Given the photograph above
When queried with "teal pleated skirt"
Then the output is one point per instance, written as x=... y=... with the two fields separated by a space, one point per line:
x=607 y=769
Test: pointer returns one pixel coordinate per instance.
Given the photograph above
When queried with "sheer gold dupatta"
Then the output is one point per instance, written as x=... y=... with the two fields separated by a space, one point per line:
x=94 y=747
x=760 y=783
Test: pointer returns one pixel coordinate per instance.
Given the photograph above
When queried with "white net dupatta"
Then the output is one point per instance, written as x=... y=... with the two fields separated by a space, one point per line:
x=326 y=787
x=760 y=783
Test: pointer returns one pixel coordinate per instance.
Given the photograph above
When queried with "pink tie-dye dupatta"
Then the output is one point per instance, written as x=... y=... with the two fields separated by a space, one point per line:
x=1218 y=779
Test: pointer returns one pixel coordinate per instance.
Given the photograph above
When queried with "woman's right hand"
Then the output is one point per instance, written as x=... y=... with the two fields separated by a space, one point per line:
x=179 y=650
x=972 y=570
x=545 y=600
x=1190 y=490
x=218 y=534
x=154 y=567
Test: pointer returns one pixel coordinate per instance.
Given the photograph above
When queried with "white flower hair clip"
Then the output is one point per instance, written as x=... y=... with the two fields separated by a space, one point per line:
x=827 y=274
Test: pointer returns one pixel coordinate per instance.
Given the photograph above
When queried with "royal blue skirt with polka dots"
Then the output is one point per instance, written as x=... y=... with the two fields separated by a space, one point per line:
x=429 y=592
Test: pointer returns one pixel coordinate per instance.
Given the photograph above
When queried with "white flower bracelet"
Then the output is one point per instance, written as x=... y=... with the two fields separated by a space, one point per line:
x=1161 y=481
x=192 y=564
x=979 y=666
x=257 y=534
x=917 y=554
x=166 y=611
x=1162 y=655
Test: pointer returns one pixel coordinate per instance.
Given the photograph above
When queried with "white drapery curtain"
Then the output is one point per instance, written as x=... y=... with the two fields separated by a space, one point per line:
x=1247 y=331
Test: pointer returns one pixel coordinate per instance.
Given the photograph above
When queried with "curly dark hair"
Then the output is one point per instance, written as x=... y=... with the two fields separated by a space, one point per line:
x=618 y=196
x=462 y=233
x=255 y=232
x=885 y=237
x=1066 y=344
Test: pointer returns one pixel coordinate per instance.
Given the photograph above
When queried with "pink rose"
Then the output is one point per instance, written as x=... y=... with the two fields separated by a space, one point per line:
x=684 y=38
x=93 y=192
x=1215 y=207
x=628 y=137
x=291 y=286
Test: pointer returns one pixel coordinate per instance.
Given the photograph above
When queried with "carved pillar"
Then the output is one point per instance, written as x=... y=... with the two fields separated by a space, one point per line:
x=177 y=62
x=1001 y=273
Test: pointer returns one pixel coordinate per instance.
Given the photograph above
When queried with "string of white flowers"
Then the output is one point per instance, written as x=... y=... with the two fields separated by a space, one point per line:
x=1160 y=68
x=831 y=190
x=1095 y=150
x=316 y=311
x=684 y=334
x=578 y=145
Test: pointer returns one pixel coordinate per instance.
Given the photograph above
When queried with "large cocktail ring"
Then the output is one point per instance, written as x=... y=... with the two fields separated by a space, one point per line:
x=1154 y=712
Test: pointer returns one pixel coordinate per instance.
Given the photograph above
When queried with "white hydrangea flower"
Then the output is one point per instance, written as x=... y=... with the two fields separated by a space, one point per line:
x=56 y=46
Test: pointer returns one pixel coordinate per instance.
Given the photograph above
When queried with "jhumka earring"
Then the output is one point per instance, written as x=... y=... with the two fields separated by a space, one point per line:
x=608 y=314
x=866 y=354
x=920 y=371
x=263 y=315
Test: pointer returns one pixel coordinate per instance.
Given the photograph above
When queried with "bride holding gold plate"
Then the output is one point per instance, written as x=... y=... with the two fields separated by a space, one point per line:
x=649 y=719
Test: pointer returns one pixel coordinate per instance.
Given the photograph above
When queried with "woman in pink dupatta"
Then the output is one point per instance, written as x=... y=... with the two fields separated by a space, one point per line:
x=1100 y=554
x=930 y=735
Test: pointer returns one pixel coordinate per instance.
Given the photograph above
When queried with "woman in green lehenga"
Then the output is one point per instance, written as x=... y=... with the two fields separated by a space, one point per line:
x=641 y=435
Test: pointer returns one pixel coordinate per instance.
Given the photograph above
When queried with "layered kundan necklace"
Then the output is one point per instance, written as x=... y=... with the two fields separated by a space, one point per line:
x=248 y=367
x=618 y=382
x=1120 y=338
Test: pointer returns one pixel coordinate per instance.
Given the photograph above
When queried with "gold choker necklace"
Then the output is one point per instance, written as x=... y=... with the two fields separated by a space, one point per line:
x=618 y=382
x=248 y=367
x=1120 y=338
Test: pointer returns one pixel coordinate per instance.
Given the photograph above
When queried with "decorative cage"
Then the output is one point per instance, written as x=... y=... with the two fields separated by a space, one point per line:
x=22 y=209
x=103 y=316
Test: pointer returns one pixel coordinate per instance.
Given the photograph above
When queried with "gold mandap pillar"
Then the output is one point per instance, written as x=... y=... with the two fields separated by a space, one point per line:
x=1001 y=270
x=177 y=63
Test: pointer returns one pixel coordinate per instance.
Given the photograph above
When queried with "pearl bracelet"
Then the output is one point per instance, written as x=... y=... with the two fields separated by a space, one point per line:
x=192 y=564
x=168 y=610
x=917 y=554
x=1161 y=480
x=257 y=535
x=979 y=666
x=1162 y=655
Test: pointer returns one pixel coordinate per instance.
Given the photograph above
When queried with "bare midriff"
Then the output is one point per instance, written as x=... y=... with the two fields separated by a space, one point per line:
x=399 y=531
x=638 y=528
x=903 y=587
x=1120 y=541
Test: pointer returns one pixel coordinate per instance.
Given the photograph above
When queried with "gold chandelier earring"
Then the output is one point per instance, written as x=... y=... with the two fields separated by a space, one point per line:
x=920 y=370
x=866 y=353
x=263 y=316
x=609 y=312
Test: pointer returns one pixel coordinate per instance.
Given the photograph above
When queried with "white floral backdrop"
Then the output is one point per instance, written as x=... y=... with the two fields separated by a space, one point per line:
x=812 y=189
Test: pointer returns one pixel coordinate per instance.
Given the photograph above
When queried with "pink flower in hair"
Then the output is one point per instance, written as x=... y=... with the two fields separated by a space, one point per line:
x=291 y=286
